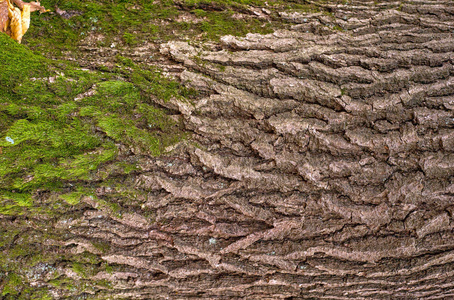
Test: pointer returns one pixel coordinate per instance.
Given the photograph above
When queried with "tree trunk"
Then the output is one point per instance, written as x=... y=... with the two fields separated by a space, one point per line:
x=320 y=166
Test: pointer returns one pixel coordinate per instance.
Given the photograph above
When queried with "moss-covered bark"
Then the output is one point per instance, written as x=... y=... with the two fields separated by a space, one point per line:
x=312 y=163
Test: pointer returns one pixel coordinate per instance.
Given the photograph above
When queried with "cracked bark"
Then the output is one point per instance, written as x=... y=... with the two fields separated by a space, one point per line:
x=323 y=169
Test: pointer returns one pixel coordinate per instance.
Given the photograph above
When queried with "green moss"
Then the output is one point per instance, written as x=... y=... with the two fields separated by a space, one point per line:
x=117 y=168
x=21 y=64
x=62 y=283
x=124 y=131
x=221 y=68
x=14 y=203
x=80 y=269
x=41 y=295
x=110 y=207
x=104 y=283
x=136 y=22
x=109 y=269
x=151 y=81
x=18 y=251
x=72 y=198
x=222 y=4
x=87 y=258
x=102 y=246
x=130 y=39
x=13 y=285
x=49 y=112
x=43 y=140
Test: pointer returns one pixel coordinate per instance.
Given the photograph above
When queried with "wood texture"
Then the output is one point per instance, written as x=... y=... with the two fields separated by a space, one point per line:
x=321 y=167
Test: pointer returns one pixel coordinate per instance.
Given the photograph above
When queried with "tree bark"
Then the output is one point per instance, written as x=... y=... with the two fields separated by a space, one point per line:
x=320 y=166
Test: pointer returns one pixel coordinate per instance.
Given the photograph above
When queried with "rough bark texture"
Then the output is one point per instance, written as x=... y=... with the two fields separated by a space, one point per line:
x=321 y=167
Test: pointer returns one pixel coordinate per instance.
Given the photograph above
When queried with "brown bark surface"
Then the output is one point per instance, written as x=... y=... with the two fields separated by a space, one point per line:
x=320 y=167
